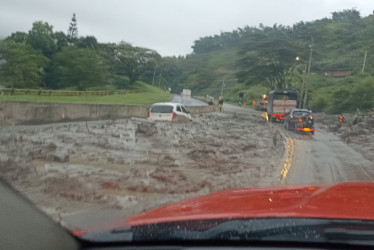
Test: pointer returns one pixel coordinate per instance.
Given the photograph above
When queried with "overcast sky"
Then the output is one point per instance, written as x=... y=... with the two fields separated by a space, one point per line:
x=168 y=26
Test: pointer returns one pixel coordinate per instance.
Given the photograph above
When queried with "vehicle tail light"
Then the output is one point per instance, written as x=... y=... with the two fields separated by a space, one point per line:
x=77 y=232
x=300 y=119
x=149 y=114
x=174 y=114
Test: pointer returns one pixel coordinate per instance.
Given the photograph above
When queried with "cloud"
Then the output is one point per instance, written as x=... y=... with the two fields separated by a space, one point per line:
x=168 y=26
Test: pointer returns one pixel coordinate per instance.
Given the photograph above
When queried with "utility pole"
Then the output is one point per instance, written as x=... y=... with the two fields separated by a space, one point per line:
x=223 y=84
x=154 y=73
x=363 y=65
x=307 y=82
x=302 y=87
x=303 y=78
x=159 y=82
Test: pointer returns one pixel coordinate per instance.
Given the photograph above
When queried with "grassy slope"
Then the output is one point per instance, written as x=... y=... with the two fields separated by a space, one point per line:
x=148 y=95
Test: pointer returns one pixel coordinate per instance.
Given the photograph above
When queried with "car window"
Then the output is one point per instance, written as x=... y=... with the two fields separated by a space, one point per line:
x=162 y=109
x=299 y=114
x=179 y=108
x=184 y=110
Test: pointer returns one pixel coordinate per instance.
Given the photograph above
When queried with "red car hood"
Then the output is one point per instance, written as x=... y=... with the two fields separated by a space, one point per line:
x=350 y=200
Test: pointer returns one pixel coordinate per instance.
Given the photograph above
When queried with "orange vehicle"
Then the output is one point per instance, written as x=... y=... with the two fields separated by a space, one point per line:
x=323 y=215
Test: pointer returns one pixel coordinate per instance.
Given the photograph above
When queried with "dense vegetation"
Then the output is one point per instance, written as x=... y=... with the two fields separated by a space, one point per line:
x=252 y=60
x=43 y=58
x=249 y=60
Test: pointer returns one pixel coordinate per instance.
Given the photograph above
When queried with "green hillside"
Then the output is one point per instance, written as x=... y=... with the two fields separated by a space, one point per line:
x=254 y=60
x=248 y=60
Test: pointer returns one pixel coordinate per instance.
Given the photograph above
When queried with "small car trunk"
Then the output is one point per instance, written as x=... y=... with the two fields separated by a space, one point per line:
x=161 y=112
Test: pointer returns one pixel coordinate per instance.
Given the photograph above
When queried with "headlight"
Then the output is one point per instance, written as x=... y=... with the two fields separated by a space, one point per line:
x=311 y=117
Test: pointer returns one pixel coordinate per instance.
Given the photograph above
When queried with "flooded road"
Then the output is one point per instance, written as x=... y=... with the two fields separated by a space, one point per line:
x=118 y=168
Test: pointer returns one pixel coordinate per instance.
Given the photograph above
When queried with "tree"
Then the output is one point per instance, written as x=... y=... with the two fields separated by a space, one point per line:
x=80 y=68
x=18 y=37
x=211 y=43
x=41 y=38
x=87 y=42
x=61 y=40
x=72 y=34
x=349 y=16
x=267 y=58
x=167 y=73
x=133 y=60
x=22 y=66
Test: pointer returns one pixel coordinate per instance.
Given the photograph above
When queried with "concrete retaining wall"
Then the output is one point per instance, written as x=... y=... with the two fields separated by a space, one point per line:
x=14 y=113
x=202 y=109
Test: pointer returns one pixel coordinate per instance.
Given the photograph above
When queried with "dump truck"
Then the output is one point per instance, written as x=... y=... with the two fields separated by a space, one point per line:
x=279 y=103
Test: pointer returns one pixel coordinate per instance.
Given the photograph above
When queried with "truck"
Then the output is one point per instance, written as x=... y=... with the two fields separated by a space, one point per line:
x=186 y=93
x=186 y=96
x=280 y=102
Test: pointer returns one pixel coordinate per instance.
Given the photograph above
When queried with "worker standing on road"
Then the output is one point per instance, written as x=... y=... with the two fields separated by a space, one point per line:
x=341 y=119
x=220 y=103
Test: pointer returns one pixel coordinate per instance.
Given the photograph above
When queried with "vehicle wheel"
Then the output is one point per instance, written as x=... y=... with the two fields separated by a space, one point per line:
x=287 y=126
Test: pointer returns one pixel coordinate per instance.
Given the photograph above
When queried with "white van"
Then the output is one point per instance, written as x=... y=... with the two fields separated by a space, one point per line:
x=168 y=111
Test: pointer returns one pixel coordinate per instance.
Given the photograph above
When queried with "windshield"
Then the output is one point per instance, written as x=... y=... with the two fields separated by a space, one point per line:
x=162 y=109
x=112 y=110
x=298 y=114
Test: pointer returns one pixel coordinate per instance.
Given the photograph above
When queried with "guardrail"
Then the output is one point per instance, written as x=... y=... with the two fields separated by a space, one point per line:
x=44 y=92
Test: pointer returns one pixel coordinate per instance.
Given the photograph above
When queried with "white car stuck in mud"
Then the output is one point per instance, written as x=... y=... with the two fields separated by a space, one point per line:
x=168 y=111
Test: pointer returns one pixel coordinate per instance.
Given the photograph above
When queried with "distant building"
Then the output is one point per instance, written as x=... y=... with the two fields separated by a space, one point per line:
x=337 y=73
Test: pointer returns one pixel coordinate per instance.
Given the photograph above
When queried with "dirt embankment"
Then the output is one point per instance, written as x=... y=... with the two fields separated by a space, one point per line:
x=134 y=165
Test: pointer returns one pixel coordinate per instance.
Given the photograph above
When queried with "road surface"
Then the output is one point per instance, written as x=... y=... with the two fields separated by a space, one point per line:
x=322 y=158
x=187 y=102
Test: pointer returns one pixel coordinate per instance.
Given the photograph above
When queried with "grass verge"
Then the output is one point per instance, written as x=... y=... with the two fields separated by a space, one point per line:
x=148 y=95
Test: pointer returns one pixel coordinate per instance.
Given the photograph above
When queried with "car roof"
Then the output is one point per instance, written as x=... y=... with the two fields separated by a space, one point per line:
x=302 y=110
x=167 y=104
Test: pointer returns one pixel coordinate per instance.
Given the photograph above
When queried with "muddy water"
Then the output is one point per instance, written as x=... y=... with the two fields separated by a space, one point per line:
x=133 y=165
x=75 y=171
